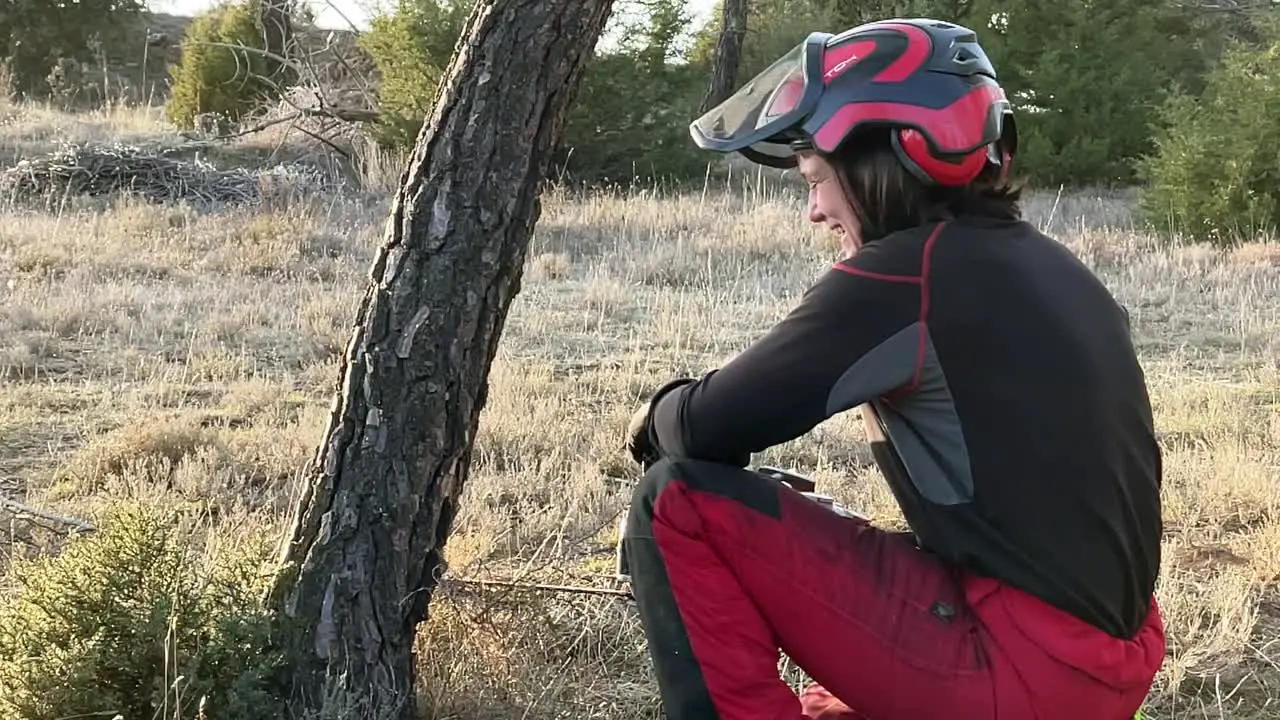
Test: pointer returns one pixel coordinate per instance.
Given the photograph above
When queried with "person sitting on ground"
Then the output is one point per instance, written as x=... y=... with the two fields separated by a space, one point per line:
x=1005 y=406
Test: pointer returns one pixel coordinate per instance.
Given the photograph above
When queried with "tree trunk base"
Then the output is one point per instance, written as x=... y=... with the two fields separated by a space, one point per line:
x=365 y=553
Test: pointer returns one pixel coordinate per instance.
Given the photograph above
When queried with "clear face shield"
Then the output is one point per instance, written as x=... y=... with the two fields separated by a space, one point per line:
x=753 y=120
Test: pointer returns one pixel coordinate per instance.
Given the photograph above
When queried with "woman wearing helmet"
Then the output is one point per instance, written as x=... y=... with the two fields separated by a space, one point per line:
x=1004 y=403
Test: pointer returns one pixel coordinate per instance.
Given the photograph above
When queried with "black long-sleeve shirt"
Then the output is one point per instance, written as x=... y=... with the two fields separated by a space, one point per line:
x=1008 y=385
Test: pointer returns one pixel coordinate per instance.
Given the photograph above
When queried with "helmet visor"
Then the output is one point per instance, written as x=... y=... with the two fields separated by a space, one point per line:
x=759 y=115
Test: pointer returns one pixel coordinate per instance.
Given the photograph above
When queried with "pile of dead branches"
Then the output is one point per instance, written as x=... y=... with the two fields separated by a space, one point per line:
x=150 y=174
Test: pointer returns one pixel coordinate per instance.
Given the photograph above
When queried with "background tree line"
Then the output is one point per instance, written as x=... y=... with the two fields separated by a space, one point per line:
x=1177 y=96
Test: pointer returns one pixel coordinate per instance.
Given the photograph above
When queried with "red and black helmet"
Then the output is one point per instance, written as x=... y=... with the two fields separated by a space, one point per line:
x=930 y=80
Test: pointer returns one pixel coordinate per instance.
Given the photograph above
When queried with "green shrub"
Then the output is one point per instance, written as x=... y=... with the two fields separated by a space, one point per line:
x=631 y=115
x=411 y=48
x=630 y=123
x=36 y=35
x=125 y=622
x=222 y=70
x=1215 y=173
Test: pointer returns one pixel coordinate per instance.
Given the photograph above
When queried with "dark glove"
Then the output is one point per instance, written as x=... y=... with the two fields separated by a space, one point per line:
x=638 y=443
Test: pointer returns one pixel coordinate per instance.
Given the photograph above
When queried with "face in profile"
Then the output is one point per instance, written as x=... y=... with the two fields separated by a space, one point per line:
x=829 y=205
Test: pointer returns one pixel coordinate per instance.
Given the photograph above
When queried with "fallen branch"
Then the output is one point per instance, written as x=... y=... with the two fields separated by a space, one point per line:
x=338 y=115
x=349 y=115
x=22 y=510
x=572 y=589
x=247 y=131
x=319 y=137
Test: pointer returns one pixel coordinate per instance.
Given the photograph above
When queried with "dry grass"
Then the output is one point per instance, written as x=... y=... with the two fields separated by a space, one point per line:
x=186 y=357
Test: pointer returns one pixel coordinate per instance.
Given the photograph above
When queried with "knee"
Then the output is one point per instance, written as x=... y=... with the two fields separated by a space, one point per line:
x=692 y=473
x=651 y=484
x=703 y=478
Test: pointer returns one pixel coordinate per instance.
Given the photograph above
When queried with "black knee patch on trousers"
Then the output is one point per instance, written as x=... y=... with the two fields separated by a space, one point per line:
x=678 y=672
x=750 y=489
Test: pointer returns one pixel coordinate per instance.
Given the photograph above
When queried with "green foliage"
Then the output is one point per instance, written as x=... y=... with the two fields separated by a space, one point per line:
x=630 y=120
x=1087 y=78
x=631 y=123
x=36 y=34
x=773 y=28
x=222 y=70
x=1215 y=171
x=412 y=48
x=123 y=621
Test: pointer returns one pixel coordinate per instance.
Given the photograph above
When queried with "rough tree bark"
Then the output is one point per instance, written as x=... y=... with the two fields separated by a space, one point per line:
x=724 y=69
x=366 y=548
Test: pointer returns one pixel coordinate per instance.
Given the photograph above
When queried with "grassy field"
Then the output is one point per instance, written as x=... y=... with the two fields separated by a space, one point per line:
x=185 y=359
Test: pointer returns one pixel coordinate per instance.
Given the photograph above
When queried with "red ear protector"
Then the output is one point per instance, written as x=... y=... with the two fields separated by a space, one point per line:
x=913 y=151
x=1006 y=162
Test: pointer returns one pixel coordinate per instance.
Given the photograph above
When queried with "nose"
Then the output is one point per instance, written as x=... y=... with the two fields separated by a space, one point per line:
x=815 y=213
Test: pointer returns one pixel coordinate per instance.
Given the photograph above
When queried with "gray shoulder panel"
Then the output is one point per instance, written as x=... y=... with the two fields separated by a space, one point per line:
x=888 y=366
x=926 y=431
x=922 y=425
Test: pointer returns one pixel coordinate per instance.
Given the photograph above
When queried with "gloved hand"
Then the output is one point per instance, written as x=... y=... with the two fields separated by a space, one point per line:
x=638 y=444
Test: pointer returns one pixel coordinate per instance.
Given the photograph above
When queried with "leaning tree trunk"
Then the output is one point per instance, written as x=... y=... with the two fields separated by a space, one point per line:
x=724 y=70
x=366 y=548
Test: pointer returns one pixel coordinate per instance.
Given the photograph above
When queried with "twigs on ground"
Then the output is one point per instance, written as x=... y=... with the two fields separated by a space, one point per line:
x=60 y=524
x=567 y=589
x=97 y=171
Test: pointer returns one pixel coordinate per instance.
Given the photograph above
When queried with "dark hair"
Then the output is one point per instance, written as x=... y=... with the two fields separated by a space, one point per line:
x=888 y=198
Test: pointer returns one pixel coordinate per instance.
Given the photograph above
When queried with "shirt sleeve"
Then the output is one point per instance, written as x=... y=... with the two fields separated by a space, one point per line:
x=781 y=386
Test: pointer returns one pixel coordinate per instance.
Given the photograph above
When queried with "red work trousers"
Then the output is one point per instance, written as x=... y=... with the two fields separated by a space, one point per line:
x=730 y=569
